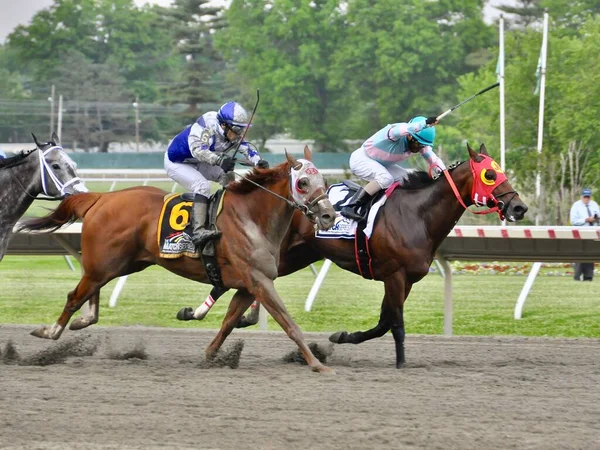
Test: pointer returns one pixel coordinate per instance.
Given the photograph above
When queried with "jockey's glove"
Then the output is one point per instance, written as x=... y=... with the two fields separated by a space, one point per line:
x=225 y=162
x=262 y=164
x=431 y=120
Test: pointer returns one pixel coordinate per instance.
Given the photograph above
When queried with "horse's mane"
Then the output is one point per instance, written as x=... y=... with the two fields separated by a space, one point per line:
x=260 y=176
x=16 y=159
x=419 y=179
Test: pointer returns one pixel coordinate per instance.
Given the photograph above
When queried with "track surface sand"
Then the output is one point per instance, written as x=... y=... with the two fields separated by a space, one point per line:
x=461 y=392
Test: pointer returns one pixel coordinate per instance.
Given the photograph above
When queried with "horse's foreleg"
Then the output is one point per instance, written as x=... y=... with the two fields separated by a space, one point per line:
x=265 y=290
x=86 y=288
x=92 y=315
x=239 y=303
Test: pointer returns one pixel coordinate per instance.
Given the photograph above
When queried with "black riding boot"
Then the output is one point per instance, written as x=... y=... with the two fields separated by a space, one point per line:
x=356 y=209
x=200 y=234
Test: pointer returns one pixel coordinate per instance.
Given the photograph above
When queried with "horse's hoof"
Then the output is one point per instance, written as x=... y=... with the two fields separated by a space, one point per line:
x=400 y=365
x=243 y=323
x=79 y=323
x=185 y=314
x=339 y=337
x=41 y=333
x=324 y=370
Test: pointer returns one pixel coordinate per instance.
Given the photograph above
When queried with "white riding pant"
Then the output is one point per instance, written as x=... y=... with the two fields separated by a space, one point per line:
x=368 y=169
x=196 y=177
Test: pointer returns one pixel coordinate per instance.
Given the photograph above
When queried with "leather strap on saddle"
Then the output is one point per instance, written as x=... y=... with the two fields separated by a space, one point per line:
x=362 y=252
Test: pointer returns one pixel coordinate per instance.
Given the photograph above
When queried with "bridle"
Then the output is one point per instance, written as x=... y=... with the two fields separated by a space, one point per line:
x=499 y=206
x=45 y=169
x=305 y=206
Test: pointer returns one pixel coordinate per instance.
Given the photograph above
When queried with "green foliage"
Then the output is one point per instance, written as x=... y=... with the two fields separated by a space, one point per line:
x=286 y=49
x=104 y=31
x=364 y=65
x=192 y=23
x=571 y=122
x=402 y=59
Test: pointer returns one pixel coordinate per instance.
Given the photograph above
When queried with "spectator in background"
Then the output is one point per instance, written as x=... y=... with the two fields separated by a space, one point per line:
x=585 y=213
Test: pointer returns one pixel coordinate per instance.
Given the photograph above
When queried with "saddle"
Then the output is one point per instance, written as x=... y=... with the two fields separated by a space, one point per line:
x=175 y=231
x=352 y=188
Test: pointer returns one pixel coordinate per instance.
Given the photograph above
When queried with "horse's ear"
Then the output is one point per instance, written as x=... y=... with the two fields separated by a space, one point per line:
x=472 y=153
x=37 y=143
x=55 y=138
x=307 y=153
x=483 y=150
x=293 y=161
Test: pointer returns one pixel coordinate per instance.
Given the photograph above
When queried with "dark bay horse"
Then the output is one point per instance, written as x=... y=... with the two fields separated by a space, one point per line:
x=119 y=237
x=411 y=225
x=46 y=169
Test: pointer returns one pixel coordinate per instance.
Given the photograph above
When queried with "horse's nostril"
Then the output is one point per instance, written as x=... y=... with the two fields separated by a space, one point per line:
x=326 y=217
x=520 y=209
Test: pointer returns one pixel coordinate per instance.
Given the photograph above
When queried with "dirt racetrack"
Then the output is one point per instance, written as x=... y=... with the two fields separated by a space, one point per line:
x=462 y=392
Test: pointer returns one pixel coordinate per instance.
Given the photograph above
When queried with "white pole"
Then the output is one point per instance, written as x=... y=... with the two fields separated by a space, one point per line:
x=112 y=302
x=502 y=117
x=60 y=112
x=501 y=75
x=51 y=100
x=137 y=125
x=538 y=181
x=317 y=285
x=535 y=269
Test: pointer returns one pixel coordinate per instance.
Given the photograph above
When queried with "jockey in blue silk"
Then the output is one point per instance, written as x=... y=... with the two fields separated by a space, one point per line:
x=197 y=155
x=377 y=160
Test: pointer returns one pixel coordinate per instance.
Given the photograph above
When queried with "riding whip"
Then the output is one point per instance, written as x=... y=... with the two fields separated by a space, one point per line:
x=444 y=114
x=248 y=126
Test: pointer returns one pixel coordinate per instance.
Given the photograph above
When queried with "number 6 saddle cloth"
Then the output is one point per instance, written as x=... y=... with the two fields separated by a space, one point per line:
x=174 y=233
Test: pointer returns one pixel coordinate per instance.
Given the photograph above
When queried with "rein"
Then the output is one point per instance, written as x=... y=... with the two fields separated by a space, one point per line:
x=304 y=208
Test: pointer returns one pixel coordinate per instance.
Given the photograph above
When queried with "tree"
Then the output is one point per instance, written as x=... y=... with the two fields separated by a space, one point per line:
x=193 y=23
x=566 y=15
x=404 y=58
x=116 y=31
x=571 y=144
x=94 y=94
x=286 y=49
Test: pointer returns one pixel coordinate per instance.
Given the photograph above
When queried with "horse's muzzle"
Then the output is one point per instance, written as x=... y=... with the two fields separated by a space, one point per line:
x=516 y=212
x=325 y=215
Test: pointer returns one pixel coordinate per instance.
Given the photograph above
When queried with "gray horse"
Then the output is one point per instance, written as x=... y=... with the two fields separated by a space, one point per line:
x=46 y=169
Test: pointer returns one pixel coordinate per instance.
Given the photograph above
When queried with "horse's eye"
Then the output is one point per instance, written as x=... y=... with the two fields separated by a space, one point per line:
x=303 y=184
x=55 y=166
x=490 y=175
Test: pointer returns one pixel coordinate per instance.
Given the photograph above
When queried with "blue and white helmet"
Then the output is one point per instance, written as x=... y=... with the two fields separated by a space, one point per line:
x=234 y=116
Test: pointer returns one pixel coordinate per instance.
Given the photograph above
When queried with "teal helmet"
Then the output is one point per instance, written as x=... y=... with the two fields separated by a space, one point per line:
x=426 y=136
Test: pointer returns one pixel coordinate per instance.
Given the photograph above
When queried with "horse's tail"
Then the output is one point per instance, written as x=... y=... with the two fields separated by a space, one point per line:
x=70 y=209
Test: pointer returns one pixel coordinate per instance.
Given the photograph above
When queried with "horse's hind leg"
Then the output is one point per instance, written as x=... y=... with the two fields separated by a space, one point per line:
x=239 y=303
x=91 y=317
x=86 y=288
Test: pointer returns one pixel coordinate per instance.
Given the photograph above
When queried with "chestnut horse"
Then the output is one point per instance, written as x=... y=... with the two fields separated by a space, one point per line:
x=120 y=237
x=411 y=225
